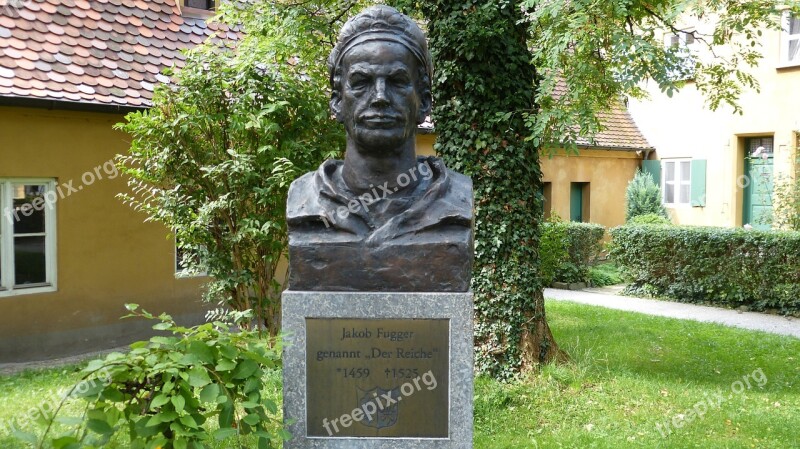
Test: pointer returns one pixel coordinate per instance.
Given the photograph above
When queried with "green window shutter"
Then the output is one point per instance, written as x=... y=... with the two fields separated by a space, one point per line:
x=654 y=168
x=699 y=182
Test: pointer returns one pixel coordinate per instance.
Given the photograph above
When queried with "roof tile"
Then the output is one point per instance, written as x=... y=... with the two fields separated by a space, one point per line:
x=94 y=51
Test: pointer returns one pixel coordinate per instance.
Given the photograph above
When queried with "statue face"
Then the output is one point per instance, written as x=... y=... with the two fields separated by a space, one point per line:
x=379 y=104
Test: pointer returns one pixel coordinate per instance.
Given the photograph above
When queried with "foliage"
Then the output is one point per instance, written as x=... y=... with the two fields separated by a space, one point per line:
x=174 y=392
x=643 y=196
x=214 y=157
x=786 y=199
x=723 y=266
x=591 y=53
x=585 y=245
x=568 y=249
x=650 y=218
x=604 y=274
x=496 y=103
x=553 y=249
x=483 y=71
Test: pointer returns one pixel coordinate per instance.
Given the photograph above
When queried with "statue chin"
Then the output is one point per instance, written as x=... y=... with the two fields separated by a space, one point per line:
x=381 y=142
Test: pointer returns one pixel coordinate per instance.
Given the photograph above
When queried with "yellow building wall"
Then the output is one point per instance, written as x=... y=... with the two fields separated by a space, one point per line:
x=106 y=255
x=683 y=127
x=607 y=172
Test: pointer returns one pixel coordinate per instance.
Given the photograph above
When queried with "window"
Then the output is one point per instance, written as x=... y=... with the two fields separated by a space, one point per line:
x=677 y=181
x=200 y=4
x=790 y=40
x=680 y=43
x=27 y=236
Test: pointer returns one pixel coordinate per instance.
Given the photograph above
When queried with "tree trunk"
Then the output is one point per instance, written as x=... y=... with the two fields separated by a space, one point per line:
x=484 y=82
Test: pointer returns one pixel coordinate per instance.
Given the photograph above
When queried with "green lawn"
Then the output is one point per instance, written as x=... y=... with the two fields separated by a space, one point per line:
x=629 y=373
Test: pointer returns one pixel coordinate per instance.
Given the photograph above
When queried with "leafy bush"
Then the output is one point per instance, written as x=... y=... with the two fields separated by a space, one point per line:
x=214 y=156
x=723 y=266
x=553 y=249
x=568 y=249
x=650 y=218
x=643 y=196
x=786 y=214
x=174 y=392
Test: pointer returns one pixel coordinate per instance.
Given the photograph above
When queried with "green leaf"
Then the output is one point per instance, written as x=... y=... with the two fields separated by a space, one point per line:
x=245 y=369
x=223 y=433
x=225 y=365
x=188 y=421
x=99 y=426
x=159 y=401
x=25 y=436
x=179 y=402
x=162 y=326
x=226 y=415
x=198 y=377
x=252 y=419
x=66 y=442
x=209 y=393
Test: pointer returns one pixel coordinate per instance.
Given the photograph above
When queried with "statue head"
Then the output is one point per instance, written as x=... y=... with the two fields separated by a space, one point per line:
x=380 y=73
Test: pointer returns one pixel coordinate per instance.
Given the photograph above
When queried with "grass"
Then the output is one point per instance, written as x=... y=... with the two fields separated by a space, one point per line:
x=629 y=373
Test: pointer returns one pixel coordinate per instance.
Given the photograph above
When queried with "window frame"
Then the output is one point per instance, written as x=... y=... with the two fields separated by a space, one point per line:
x=7 y=280
x=786 y=39
x=677 y=183
x=684 y=41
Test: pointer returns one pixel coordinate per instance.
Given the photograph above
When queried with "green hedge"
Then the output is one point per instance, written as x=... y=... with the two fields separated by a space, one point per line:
x=721 y=266
x=569 y=249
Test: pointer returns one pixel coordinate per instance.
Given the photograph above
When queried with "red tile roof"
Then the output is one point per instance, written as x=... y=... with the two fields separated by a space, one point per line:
x=620 y=133
x=101 y=52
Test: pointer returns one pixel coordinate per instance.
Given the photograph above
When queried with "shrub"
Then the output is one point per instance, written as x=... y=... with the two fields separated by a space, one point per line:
x=553 y=248
x=786 y=214
x=174 y=392
x=568 y=249
x=650 y=219
x=722 y=266
x=643 y=196
x=213 y=158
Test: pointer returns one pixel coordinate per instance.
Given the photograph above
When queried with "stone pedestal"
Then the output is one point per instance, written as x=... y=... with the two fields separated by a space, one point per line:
x=367 y=370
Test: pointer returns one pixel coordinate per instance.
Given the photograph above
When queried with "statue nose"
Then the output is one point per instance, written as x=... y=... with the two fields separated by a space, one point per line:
x=379 y=97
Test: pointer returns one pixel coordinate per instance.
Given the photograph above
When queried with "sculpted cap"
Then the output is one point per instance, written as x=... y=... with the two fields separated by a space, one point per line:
x=380 y=23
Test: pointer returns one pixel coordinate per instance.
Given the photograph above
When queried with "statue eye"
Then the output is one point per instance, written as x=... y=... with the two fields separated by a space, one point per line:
x=358 y=82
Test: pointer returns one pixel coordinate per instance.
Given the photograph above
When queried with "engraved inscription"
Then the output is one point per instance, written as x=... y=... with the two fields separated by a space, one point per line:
x=377 y=377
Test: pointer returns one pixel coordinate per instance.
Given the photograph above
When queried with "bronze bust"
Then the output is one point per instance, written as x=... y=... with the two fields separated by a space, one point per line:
x=383 y=219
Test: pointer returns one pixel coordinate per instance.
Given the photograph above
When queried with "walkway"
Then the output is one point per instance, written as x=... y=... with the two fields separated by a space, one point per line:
x=747 y=320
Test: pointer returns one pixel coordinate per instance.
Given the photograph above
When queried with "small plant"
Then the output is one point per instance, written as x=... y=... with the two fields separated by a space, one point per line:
x=174 y=392
x=605 y=274
x=650 y=218
x=643 y=196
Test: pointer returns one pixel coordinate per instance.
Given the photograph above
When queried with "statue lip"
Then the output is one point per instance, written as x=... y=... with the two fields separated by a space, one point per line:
x=381 y=119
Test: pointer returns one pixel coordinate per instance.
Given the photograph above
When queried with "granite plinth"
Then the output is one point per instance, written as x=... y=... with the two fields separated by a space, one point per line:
x=426 y=314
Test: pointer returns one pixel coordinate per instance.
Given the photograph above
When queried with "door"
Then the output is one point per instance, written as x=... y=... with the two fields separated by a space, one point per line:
x=758 y=169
